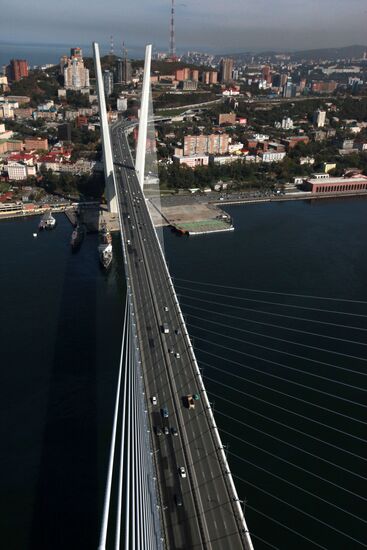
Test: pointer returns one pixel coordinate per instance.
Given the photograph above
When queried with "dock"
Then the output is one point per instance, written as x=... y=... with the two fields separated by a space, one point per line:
x=190 y=218
x=94 y=218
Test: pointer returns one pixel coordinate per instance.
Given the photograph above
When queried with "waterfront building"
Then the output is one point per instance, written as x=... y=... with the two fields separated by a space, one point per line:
x=328 y=184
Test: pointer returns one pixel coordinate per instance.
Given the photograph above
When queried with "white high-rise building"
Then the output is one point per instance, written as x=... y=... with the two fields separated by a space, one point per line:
x=76 y=76
x=108 y=82
x=122 y=104
x=287 y=123
x=319 y=118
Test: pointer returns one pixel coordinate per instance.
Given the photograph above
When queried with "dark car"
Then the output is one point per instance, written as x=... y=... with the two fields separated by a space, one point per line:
x=164 y=412
x=178 y=500
x=158 y=431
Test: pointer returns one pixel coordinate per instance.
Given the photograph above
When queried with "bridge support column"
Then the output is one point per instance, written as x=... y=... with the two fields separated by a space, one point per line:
x=106 y=140
x=143 y=121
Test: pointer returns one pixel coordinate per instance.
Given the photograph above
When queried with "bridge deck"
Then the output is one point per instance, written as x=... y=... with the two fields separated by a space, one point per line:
x=208 y=517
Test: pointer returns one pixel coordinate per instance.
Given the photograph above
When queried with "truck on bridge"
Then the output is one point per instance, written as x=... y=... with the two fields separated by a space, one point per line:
x=190 y=400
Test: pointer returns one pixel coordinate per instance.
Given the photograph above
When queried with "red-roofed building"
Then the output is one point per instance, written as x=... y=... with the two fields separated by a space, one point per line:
x=26 y=158
x=357 y=182
x=6 y=197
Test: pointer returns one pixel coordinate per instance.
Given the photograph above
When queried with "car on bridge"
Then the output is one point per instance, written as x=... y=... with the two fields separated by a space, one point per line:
x=182 y=471
x=178 y=500
x=164 y=412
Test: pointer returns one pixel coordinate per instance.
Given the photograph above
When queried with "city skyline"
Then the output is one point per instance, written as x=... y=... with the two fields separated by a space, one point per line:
x=235 y=27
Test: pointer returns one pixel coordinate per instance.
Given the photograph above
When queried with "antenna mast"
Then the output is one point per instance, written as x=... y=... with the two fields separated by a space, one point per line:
x=112 y=49
x=172 y=46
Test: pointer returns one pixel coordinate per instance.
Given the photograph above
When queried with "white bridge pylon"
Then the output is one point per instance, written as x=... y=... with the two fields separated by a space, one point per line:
x=106 y=138
x=143 y=120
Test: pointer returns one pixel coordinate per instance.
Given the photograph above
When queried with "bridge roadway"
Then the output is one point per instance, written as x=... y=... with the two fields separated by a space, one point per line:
x=208 y=518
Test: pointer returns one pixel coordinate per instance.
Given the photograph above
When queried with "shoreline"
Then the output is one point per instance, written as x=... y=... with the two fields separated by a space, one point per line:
x=192 y=215
x=290 y=197
x=183 y=202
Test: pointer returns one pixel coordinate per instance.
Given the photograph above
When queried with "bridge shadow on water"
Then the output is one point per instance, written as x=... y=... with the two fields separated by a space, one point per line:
x=73 y=467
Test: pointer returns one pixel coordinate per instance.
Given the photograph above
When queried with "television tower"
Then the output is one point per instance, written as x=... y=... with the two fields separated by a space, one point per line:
x=172 y=44
x=112 y=49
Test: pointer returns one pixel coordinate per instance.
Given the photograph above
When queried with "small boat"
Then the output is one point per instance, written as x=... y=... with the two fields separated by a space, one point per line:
x=47 y=221
x=35 y=235
x=105 y=255
x=77 y=236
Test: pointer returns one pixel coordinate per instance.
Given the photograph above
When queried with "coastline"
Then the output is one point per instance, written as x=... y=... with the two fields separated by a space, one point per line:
x=187 y=214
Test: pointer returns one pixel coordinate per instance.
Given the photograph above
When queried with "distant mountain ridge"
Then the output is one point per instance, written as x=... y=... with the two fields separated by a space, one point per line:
x=355 y=51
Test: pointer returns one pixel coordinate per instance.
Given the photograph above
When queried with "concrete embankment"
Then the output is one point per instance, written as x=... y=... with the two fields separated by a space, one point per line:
x=94 y=218
x=189 y=217
x=289 y=197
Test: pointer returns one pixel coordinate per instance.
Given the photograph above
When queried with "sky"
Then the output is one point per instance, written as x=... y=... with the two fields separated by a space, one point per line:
x=205 y=25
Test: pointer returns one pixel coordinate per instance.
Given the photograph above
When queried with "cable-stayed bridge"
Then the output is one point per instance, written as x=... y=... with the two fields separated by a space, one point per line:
x=176 y=491
x=288 y=374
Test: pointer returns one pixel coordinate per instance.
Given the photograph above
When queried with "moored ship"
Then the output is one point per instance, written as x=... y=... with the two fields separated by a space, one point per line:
x=47 y=221
x=77 y=236
x=105 y=247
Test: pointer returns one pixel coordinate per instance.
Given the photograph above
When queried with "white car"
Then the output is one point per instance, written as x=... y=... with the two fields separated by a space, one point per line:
x=154 y=400
x=182 y=471
x=177 y=355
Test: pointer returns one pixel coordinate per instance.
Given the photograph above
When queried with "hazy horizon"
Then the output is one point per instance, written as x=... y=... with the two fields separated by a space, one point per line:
x=206 y=26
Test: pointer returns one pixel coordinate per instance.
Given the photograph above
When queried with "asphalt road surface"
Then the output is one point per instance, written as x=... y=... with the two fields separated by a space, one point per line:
x=207 y=517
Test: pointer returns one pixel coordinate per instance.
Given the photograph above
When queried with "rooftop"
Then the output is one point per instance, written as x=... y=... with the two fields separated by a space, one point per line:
x=335 y=181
